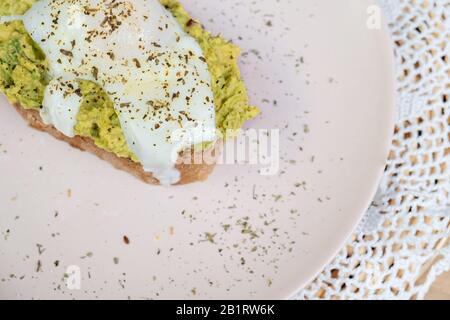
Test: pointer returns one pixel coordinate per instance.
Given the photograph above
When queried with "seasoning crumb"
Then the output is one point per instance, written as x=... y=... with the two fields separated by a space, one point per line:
x=116 y=260
x=40 y=248
x=126 y=240
x=87 y=255
x=39 y=266
x=254 y=195
x=209 y=237
x=306 y=129
x=69 y=193
x=277 y=197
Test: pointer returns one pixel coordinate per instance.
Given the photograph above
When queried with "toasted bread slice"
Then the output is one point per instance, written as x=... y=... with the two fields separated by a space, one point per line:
x=189 y=172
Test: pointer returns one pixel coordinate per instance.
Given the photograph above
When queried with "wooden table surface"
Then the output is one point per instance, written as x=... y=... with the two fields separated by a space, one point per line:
x=441 y=288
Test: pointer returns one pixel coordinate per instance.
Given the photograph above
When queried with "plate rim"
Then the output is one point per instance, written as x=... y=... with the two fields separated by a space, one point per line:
x=391 y=66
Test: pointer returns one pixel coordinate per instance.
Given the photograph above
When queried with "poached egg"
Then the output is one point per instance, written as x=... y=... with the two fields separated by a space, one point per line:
x=154 y=73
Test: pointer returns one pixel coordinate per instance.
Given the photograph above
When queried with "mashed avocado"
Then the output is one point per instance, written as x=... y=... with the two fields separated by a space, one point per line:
x=23 y=77
x=22 y=66
x=14 y=7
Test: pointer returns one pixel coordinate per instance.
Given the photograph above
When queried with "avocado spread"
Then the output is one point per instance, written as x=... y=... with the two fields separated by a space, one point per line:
x=23 y=78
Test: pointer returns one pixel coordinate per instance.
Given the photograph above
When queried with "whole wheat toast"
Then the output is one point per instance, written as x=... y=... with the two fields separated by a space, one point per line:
x=190 y=172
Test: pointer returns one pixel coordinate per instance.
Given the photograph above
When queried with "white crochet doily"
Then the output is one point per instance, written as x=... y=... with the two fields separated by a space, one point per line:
x=401 y=245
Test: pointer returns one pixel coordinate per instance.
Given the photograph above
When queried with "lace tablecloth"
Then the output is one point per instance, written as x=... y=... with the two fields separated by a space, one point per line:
x=401 y=245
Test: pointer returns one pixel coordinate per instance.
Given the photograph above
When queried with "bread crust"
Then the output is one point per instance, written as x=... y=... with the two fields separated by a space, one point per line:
x=189 y=172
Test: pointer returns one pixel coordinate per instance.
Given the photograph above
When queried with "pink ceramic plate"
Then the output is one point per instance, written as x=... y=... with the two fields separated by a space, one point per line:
x=319 y=74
